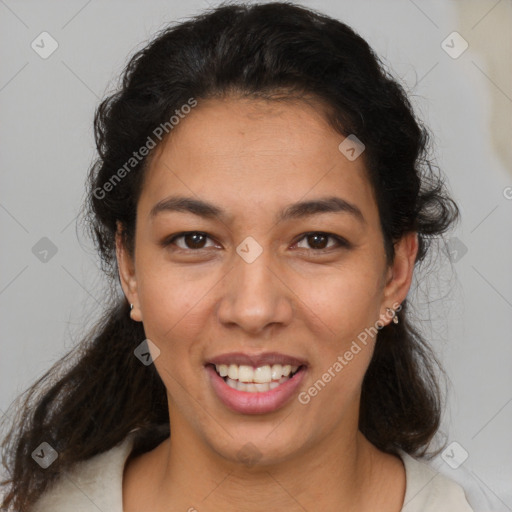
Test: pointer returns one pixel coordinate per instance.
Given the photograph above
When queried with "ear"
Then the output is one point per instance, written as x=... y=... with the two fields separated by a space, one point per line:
x=399 y=275
x=127 y=275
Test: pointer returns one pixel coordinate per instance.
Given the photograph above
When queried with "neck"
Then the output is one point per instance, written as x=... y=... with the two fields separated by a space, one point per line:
x=334 y=476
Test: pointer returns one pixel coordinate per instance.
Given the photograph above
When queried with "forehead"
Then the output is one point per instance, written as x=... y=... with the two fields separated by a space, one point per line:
x=245 y=153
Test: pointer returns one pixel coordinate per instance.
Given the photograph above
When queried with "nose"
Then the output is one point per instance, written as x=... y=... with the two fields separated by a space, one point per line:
x=255 y=296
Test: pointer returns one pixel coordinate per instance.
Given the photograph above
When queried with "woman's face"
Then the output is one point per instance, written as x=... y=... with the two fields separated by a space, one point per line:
x=262 y=281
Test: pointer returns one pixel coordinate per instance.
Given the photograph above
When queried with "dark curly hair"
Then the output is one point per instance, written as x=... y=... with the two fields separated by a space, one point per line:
x=275 y=51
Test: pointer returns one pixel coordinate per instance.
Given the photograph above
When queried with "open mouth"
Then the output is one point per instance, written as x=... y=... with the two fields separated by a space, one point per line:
x=255 y=380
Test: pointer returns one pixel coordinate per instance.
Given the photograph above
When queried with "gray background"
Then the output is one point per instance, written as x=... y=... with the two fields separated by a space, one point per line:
x=46 y=147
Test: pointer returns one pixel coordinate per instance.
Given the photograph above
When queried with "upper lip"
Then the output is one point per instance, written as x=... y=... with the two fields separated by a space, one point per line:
x=255 y=360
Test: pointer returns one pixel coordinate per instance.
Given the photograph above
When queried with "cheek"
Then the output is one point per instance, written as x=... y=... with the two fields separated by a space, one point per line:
x=173 y=316
x=171 y=309
x=332 y=391
x=336 y=375
x=342 y=307
x=172 y=303
x=341 y=303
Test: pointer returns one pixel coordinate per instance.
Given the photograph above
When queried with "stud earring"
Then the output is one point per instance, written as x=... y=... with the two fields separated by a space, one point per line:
x=393 y=312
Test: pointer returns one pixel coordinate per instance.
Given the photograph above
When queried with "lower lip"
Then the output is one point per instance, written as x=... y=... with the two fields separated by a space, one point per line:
x=246 y=402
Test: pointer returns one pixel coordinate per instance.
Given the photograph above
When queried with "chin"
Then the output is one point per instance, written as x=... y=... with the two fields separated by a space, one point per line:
x=252 y=450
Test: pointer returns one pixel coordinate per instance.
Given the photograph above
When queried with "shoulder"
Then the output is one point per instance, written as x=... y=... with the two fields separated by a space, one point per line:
x=427 y=490
x=91 y=485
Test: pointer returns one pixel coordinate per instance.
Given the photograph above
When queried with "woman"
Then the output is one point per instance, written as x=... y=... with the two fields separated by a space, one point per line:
x=263 y=195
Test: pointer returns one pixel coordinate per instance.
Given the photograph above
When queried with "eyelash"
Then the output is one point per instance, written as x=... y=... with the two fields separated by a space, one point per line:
x=342 y=243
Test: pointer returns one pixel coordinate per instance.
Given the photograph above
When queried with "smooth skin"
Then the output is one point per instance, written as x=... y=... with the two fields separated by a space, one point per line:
x=303 y=296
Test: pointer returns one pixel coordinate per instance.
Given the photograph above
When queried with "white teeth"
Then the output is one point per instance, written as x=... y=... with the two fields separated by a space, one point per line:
x=254 y=387
x=245 y=373
x=260 y=375
x=276 y=371
x=232 y=371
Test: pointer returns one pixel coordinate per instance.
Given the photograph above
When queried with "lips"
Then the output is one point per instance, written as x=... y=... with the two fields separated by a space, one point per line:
x=256 y=360
x=253 y=398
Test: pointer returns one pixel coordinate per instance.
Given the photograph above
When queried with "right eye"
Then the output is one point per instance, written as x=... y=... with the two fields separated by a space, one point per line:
x=193 y=240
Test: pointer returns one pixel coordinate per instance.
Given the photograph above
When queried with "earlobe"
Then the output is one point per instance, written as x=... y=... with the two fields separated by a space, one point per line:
x=401 y=271
x=135 y=314
x=127 y=274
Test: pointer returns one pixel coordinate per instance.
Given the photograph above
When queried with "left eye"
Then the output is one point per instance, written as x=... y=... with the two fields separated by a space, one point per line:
x=318 y=241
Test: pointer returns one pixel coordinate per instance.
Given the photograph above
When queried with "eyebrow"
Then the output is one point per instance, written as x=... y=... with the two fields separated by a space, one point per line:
x=297 y=210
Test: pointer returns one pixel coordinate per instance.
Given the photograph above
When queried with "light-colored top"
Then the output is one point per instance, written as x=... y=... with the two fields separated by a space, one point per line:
x=97 y=484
